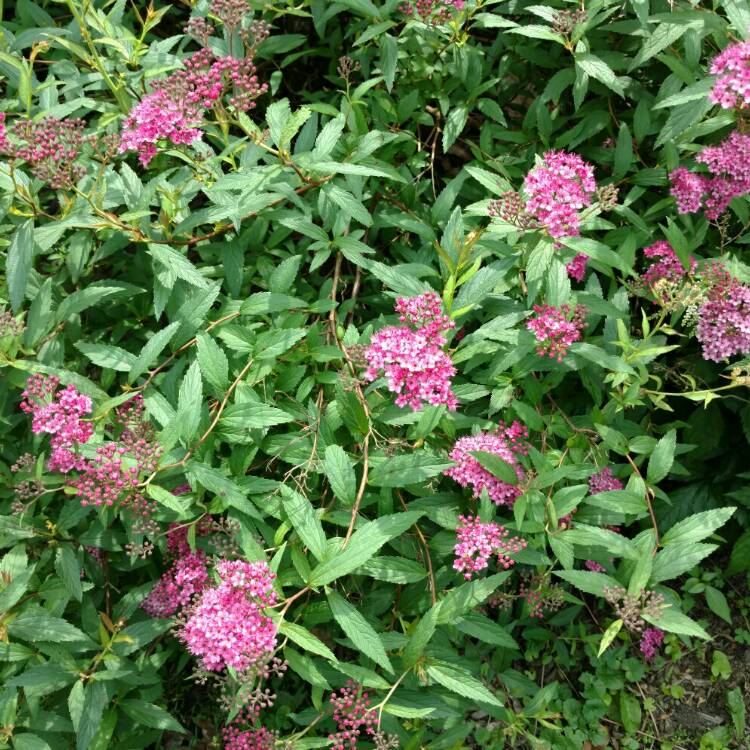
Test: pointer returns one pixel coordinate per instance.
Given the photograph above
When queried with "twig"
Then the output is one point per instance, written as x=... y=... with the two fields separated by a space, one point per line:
x=426 y=548
x=650 y=505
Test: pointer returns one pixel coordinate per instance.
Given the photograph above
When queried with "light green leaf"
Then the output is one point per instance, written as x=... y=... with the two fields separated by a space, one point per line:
x=674 y=621
x=461 y=682
x=151 y=350
x=609 y=635
x=150 y=715
x=305 y=639
x=698 y=526
x=18 y=263
x=301 y=515
x=662 y=458
x=408 y=468
x=212 y=360
x=341 y=477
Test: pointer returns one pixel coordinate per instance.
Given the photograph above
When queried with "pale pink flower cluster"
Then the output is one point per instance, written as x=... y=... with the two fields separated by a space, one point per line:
x=732 y=69
x=651 y=641
x=507 y=443
x=185 y=579
x=724 y=319
x=556 y=328
x=176 y=106
x=603 y=481
x=729 y=167
x=60 y=414
x=666 y=265
x=227 y=627
x=476 y=542
x=557 y=190
x=415 y=365
x=351 y=712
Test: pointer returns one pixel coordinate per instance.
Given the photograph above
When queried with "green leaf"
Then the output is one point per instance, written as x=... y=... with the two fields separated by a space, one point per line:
x=363 y=545
x=176 y=263
x=678 y=558
x=421 y=635
x=455 y=122
x=17 y=587
x=388 y=59
x=94 y=702
x=151 y=350
x=718 y=604
x=358 y=630
x=305 y=639
x=340 y=474
x=596 y=68
x=496 y=466
x=587 y=581
x=348 y=204
x=623 y=151
x=737 y=710
x=630 y=712
x=189 y=401
x=392 y=570
x=301 y=515
x=262 y=303
x=212 y=360
x=698 y=526
x=479 y=626
x=407 y=469
x=216 y=482
x=251 y=415
x=18 y=263
x=674 y=621
x=38 y=625
x=662 y=458
x=739 y=560
x=107 y=356
x=67 y=567
x=663 y=35
x=93 y=295
x=613 y=542
x=609 y=635
x=26 y=741
x=467 y=596
x=178 y=505
x=150 y=715
x=461 y=682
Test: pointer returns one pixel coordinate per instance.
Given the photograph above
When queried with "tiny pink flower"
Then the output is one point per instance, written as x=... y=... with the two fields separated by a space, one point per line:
x=476 y=542
x=555 y=329
x=603 y=481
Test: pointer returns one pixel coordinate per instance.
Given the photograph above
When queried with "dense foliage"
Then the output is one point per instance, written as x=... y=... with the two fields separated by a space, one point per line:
x=374 y=374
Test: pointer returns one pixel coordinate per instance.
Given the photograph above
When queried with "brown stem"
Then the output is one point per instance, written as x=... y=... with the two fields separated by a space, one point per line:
x=426 y=548
x=649 y=497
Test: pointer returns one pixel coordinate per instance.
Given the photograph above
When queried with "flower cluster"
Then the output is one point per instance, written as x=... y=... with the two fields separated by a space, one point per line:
x=476 y=542
x=187 y=578
x=507 y=443
x=60 y=414
x=556 y=328
x=594 y=566
x=249 y=739
x=49 y=147
x=9 y=325
x=413 y=360
x=631 y=608
x=557 y=190
x=651 y=641
x=666 y=265
x=732 y=70
x=729 y=168
x=724 y=320
x=603 y=481
x=176 y=106
x=540 y=596
x=351 y=712
x=227 y=627
x=438 y=11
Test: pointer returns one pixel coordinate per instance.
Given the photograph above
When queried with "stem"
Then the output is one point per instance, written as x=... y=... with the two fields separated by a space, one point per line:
x=649 y=496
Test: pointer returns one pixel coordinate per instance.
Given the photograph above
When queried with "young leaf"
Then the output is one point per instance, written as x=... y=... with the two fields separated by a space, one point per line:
x=609 y=635
x=662 y=458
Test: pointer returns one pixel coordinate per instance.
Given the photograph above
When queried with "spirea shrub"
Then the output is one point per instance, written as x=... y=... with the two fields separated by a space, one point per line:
x=374 y=374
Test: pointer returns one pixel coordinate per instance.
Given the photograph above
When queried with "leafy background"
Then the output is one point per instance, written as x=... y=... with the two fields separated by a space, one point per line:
x=234 y=285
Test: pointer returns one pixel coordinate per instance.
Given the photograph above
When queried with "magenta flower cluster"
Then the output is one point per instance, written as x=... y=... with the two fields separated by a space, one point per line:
x=666 y=265
x=227 y=627
x=651 y=641
x=508 y=443
x=353 y=717
x=729 y=177
x=60 y=413
x=412 y=357
x=248 y=739
x=185 y=579
x=556 y=328
x=732 y=70
x=476 y=542
x=603 y=481
x=724 y=319
x=177 y=105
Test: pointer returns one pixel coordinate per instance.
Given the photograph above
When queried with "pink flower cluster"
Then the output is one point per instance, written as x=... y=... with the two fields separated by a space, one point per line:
x=476 y=542
x=507 y=443
x=351 y=712
x=666 y=264
x=557 y=189
x=4 y=143
x=426 y=8
x=732 y=68
x=186 y=578
x=594 y=566
x=415 y=365
x=724 y=319
x=556 y=328
x=603 y=481
x=227 y=627
x=729 y=167
x=577 y=267
x=60 y=414
x=176 y=106
x=248 y=739
x=651 y=641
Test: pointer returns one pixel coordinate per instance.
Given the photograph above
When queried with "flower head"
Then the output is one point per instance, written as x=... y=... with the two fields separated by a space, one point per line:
x=732 y=70
x=508 y=444
x=724 y=319
x=476 y=542
x=555 y=328
x=651 y=641
x=603 y=481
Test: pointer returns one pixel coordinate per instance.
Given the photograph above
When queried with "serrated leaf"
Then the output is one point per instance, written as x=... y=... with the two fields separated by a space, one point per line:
x=340 y=474
x=151 y=350
x=674 y=621
x=609 y=635
x=596 y=68
x=481 y=627
x=18 y=263
x=67 y=567
x=698 y=526
x=150 y=715
x=363 y=545
x=496 y=466
x=212 y=360
x=189 y=401
x=408 y=468
x=358 y=630
x=393 y=570
x=455 y=122
x=461 y=682
x=306 y=640
x=588 y=581
x=301 y=515
x=421 y=636
x=678 y=558
x=662 y=458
